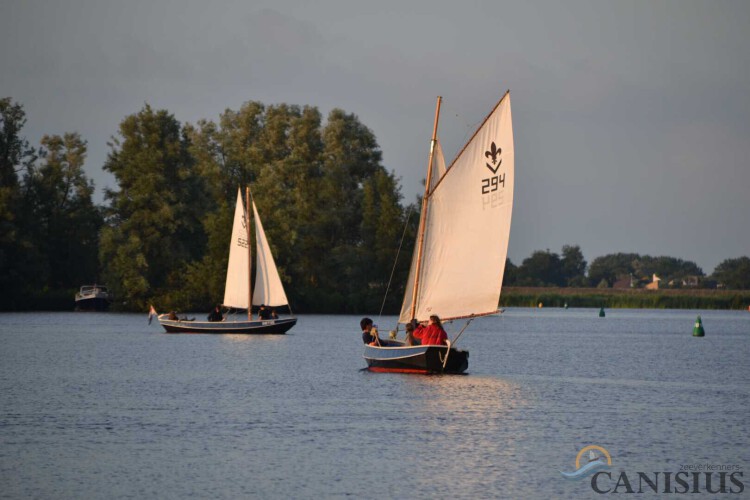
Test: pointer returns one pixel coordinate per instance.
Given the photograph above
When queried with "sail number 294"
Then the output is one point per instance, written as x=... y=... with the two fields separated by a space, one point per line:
x=491 y=184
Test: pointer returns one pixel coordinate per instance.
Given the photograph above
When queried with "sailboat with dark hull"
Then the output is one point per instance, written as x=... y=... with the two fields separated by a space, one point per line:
x=237 y=293
x=459 y=257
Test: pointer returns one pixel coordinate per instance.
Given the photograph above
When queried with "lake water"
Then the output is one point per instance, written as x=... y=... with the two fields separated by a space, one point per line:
x=101 y=405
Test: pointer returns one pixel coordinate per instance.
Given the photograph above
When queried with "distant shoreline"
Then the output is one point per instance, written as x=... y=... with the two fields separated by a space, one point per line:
x=638 y=298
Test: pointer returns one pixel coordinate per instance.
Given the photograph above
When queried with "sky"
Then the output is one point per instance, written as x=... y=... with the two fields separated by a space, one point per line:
x=631 y=118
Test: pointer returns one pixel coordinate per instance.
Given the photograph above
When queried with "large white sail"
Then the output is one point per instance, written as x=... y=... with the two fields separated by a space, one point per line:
x=467 y=227
x=237 y=289
x=268 y=288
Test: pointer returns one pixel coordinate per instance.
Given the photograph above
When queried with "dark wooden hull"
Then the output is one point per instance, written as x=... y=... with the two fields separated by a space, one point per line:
x=399 y=358
x=257 y=327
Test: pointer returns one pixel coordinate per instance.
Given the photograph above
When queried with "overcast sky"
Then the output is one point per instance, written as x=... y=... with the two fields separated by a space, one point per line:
x=631 y=119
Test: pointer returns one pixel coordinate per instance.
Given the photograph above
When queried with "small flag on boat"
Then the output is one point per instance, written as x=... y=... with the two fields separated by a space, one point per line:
x=151 y=314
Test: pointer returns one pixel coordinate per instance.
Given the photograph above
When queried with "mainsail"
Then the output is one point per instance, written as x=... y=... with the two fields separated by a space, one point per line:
x=467 y=226
x=237 y=289
x=268 y=288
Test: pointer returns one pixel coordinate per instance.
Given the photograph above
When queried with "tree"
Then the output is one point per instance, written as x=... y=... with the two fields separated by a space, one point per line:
x=345 y=259
x=734 y=273
x=382 y=229
x=17 y=253
x=15 y=152
x=609 y=267
x=330 y=209
x=542 y=268
x=667 y=268
x=65 y=221
x=573 y=266
x=227 y=156
x=153 y=228
x=510 y=276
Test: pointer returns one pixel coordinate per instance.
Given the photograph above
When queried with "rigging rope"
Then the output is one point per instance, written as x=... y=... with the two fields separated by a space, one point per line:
x=398 y=252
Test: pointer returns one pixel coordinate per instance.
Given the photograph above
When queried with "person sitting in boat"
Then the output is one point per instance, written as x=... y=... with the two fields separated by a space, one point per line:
x=172 y=316
x=215 y=315
x=264 y=312
x=369 y=332
x=274 y=315
x=410 y=327
x=433 y=333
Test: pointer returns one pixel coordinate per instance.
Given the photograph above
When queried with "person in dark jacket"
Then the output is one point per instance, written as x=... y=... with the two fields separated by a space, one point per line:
x=215 y=315
x=369 y=333
x=264 y=312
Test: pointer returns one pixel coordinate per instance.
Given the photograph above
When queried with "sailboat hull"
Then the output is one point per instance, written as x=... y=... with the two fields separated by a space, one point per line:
x=259 y=327
x=416 y=359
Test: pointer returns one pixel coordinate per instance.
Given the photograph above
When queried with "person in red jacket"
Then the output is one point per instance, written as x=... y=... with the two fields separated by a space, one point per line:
x=432 y=334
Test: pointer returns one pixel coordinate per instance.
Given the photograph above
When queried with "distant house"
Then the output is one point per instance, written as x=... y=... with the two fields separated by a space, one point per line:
x=623 y=282
x=686 y=282
x=654 y=285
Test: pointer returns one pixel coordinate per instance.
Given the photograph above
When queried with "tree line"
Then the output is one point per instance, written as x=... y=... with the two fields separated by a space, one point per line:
x=334 y=215
x=569 y=269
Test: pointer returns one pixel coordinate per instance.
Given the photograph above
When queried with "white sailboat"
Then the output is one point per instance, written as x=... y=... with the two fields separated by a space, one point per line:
x=459 y=257
x=268 y=290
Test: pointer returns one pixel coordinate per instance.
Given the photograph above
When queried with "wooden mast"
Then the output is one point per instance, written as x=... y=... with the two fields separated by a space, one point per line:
x=249 y=257
x=423 y=214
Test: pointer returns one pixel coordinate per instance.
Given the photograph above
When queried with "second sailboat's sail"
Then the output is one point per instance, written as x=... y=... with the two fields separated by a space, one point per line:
x=237 y=289
x=268 y=288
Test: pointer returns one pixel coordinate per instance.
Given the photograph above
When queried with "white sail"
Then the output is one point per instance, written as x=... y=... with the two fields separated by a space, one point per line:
x=268 y=288
x=438 y=170
x=237 y=289
x=438 y=165
x=467 y=227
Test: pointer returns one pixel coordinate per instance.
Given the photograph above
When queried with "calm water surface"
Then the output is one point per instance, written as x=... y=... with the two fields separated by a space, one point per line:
x=104 y=406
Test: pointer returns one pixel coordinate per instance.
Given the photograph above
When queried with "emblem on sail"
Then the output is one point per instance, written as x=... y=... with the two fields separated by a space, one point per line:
x=493 y=153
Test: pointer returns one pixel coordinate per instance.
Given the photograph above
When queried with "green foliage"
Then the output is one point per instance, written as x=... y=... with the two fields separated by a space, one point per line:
x=15 y=152
x=734 y=273
x=545 y=268
x=18 y=254
x=542 y=268
x=613 y=266
x=331 y=212
x=573 y=266
x=153 y=222
x=510 y=276
x=62 y=219
x=608 y=267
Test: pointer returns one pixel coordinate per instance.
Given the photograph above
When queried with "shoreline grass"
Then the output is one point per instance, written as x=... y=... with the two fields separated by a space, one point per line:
x=625 y=299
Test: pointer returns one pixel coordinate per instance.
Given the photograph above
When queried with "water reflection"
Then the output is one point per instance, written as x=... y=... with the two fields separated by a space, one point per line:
x=245 y=338
x=469 y=426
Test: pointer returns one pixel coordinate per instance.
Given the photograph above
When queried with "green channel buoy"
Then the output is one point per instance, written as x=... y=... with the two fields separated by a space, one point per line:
x=601 y=312
x=698 y=328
